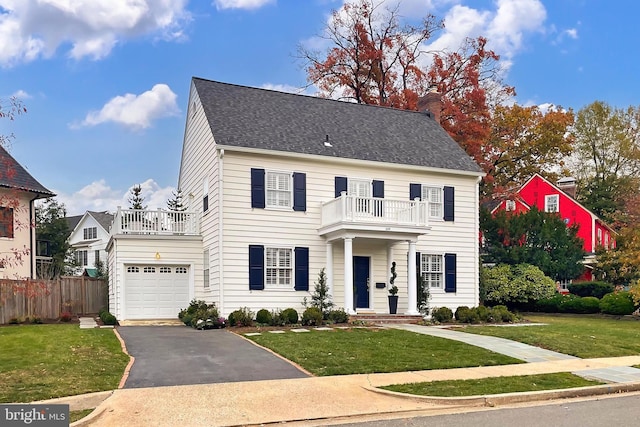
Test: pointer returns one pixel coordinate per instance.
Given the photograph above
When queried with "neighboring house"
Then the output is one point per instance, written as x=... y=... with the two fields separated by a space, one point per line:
x=560 y=198
x=18 y=192
x=280 y=186
x=88 y=240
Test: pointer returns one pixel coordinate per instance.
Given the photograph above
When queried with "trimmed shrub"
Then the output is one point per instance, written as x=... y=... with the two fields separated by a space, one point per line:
x=290 y=315
x=619 y=303
x=550 y=305
x=590 y=305
x=312 y=316
x=465 y=314
x=108 y=319
x=517 y=286
x=591 y=289
x=199 y=315
x=241 y=317
x=579 y=305
x=264 y=317
x=484 y=314
x=502 y=314
x=442 y=314
x=338 y=316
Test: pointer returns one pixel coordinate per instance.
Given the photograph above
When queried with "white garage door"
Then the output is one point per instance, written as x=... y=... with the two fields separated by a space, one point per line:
x=155 y=292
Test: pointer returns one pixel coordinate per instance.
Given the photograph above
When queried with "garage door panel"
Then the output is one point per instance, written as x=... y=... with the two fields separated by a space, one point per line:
x=156 y=292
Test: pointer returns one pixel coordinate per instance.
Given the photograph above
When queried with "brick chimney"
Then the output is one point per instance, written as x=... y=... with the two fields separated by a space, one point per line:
x=568 y=185
x=432 y=103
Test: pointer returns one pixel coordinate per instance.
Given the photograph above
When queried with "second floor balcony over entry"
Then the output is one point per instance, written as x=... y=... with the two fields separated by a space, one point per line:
x=372 y=214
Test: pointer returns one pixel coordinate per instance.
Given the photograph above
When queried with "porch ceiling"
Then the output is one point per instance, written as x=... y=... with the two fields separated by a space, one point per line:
x=371 y=231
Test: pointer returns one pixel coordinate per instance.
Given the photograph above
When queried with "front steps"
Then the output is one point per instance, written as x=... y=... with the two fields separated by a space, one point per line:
x=376 y=319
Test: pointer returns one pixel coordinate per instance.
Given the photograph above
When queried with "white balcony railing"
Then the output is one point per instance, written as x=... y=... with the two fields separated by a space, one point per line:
x=352 y=209
x=134 y=221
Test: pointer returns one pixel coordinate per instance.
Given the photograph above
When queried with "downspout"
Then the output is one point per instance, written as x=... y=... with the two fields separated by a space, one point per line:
x=476 y=245
x=32 y=235
x=220 y=230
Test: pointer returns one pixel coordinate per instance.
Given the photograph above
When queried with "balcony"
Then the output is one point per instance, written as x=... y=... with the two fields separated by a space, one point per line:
x=371 y=216
x=158 y=222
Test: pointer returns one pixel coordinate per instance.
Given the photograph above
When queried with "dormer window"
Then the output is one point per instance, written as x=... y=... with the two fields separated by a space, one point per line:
x=90 y=233
x=510 y=205
x=552 y=203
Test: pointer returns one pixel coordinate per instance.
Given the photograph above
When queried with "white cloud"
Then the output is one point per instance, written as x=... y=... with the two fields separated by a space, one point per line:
x=511 y=21
x=30 y=29
x=99 y=196
x=241 y=4
x=572 y=33
x=21 y=95
x=135 y=111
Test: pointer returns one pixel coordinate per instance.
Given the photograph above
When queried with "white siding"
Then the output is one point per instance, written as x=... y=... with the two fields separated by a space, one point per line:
x=199 y=162
x=244 y=226
x=151 y=250
x=77 y=242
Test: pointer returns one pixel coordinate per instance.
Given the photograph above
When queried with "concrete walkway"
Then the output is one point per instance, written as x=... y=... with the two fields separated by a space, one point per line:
x=526 y=352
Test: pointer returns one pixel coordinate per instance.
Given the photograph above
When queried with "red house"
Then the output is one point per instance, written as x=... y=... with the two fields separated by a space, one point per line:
x=560 y=198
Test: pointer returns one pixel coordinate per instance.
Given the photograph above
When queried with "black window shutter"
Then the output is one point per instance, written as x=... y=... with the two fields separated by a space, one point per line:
x=415 y=191
x=341 y=185
x=378 y=189
x=257 y=188
x=256 y=267
x=418 y=263
x=299 y=191
x=302 y=269
x=449 y=272
x=205 y=203
x=448 y=203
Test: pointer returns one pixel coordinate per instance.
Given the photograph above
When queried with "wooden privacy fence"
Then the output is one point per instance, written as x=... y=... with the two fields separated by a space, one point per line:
x=46 y=299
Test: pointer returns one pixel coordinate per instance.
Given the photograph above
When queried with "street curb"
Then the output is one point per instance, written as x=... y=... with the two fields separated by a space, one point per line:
x=79 y=402
x=520 y=397
x=89 y=418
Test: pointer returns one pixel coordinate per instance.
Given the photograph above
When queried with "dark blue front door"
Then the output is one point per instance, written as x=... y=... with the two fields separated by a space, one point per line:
x=361 y=281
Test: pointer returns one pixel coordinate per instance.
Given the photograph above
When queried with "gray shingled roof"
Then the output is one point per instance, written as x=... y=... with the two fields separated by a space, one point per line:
x=258 y=118
x=104 y=219
x=13 y=175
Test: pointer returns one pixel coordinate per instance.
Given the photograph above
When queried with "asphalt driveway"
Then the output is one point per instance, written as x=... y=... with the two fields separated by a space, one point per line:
x=175 y=355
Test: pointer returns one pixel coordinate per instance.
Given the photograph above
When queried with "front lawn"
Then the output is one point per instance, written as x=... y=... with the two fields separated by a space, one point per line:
x=361 y=351
x=483 y=386
x=584 y=336
x=40 y=362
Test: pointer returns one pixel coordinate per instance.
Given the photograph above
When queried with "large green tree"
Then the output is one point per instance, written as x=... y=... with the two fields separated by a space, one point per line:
x=52 y=227
x=607 y=157
x=136 y=199
x=535 y=237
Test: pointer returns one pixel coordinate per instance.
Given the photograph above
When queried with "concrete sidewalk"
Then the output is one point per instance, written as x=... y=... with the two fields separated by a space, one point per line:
x=323 y=398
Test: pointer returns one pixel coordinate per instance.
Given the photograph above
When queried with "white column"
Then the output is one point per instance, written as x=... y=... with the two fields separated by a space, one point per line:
x=348 y=276
x=412 y=291
x=329 y=268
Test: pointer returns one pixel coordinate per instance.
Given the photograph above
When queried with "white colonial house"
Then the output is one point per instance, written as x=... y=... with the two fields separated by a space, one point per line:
x=88 y=240
x=280 y=186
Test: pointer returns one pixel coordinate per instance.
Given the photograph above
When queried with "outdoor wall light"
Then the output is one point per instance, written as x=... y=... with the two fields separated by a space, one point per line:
x=157 y=255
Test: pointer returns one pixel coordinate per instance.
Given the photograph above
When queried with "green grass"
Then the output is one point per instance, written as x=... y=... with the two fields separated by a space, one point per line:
x=360 y=351
x=40 y=362
x=458 y=388
x=584 y=336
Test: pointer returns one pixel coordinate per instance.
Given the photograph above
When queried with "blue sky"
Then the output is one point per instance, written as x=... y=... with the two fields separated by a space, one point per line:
x=106 y=81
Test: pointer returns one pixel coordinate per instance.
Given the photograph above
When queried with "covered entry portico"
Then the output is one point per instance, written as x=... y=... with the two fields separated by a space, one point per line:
x=384 y=223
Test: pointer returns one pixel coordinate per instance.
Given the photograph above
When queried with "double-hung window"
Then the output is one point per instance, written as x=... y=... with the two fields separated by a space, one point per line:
x=6 y=222
x=81 y=258
x=431 y=268
x=90 y=233
x=552 y=203
x=279 y=267
x=279 y=190
x=435 y=198
x=510 y=205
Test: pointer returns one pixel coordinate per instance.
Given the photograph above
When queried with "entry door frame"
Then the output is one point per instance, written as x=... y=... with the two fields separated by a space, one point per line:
x=361 y=282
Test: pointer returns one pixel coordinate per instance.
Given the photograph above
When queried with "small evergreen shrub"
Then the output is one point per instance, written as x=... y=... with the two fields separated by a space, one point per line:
x=462 y=312
x=442 y=314
x=241 y=317
x=485 y=314
x=619 y=303
x=591 y=289
x=312 y=316
x=338 y=316
x=465 y=314
x=108 y=319
x=199 y=315
x=578 y=305
x=502 y=314
x=264 y=317
x=550 y=305
x=290 y=315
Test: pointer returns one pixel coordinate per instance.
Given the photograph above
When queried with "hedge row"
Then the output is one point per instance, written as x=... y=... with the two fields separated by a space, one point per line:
x=619 y=303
